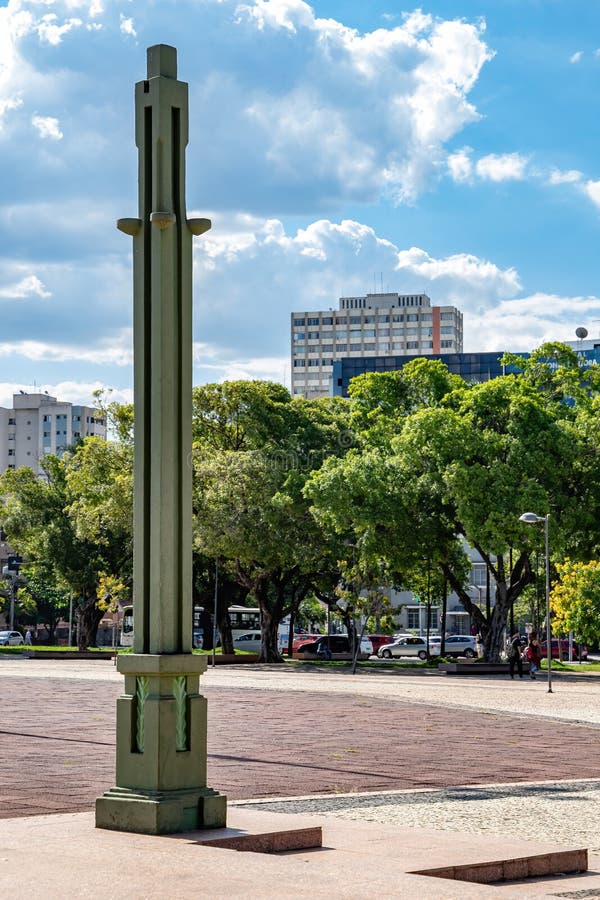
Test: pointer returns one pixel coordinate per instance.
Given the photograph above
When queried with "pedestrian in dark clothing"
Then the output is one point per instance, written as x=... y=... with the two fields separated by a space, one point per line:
x=514 y=656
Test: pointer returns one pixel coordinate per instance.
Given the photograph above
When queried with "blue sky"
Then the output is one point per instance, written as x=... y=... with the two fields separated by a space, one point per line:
x=450 y=148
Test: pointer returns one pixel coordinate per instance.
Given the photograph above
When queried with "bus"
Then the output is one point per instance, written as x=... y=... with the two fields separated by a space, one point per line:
x=126 y=630
x=243 y=618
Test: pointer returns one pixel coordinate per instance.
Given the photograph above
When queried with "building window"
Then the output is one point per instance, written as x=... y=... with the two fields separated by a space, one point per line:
x=369 y=346
x=327 y=320
x=383 y=332
x=327 y=348
x=369 y=320
x=299 y=363
x=341 y=334
x=447 y=329
x=412 y=345
x=412 y=317
x=300 y=322
x=314 y=362
x=341 y=348
x=11 y=452
x=299 y=336
x=312 y=321
x=446 y=344
x=326 y=362
x=446 y=316
x=313 y=335
x=354 y=320
x=12 y=421
x=399 y=318
x=413 y=618
x=426 y=345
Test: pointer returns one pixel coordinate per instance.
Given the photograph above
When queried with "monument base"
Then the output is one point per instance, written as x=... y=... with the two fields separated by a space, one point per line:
x=160 y=812
x=161 y=750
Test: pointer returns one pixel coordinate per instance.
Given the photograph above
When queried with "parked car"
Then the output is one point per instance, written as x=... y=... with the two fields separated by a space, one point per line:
x=406 y=646
x=379 y=640
x=249 y=642
x=455 y=645
x=579 y=650
x=198 y=638
x=11 y=639
x=339 y=645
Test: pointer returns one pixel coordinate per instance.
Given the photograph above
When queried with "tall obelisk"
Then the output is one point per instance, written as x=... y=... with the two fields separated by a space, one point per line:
x=161 y=720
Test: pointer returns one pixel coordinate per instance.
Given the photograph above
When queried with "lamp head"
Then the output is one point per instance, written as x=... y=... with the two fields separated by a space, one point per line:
x=531 y=519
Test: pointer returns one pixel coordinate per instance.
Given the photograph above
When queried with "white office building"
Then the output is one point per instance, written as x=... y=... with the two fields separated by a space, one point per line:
x=39 y=424
x=375 y=325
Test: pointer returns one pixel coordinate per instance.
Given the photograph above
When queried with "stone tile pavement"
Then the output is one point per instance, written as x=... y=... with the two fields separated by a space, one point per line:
x=281 y=733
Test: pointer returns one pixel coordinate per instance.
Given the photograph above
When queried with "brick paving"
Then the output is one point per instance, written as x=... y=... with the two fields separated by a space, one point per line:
x=57 y=744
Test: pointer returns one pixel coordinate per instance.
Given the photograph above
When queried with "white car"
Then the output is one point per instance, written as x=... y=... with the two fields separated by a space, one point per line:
x=249 y=641
x=11 y=639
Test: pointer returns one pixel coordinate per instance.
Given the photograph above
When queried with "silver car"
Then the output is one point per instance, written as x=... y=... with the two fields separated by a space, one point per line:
x=456 y=645
x=405 y=646
x=11 y=639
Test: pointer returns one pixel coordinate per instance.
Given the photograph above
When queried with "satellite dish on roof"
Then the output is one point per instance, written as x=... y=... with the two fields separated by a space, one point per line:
x=581 y=333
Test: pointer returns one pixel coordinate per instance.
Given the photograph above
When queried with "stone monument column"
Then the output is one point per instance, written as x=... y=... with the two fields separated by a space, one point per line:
x=161 y=719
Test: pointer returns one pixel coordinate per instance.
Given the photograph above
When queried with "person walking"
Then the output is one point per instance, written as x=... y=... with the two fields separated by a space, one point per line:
x=533 y=653
x=514 y=655
x=28 y=637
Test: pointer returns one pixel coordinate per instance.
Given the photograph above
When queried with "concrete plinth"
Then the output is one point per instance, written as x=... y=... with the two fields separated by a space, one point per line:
x=161 y=750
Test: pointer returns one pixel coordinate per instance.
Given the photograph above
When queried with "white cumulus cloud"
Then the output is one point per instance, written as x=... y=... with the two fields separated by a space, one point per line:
x=47 y=127
x=28 y=286
x=127 y=26
x=502 y=167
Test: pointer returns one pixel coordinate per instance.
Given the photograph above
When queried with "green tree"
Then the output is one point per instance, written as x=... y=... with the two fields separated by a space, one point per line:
x=74 y=525
x=42 y=603
x=575 y=599
x=457 y=471
x=255 y=446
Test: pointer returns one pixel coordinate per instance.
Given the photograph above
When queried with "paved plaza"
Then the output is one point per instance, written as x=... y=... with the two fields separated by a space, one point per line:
x=385 y=750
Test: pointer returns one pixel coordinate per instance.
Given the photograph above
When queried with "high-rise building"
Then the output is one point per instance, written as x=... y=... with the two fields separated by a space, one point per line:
x=39 y=424
x=371 y=326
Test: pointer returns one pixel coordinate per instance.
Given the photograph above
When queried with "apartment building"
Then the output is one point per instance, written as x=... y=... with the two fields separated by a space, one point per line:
x=38 y=424
x=375 y=325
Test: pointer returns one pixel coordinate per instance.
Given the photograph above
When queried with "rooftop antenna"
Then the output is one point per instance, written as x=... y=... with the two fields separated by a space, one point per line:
x=582 y=332
x=381 y=279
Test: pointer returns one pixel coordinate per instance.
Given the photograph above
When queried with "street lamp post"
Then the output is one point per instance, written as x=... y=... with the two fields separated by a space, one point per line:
x=531 y=519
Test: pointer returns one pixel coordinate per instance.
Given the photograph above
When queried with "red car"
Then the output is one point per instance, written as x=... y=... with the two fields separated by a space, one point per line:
x=380 y=640
x=579 y=650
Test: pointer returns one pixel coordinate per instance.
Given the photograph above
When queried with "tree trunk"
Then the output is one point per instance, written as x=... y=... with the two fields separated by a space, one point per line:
x=269 y=651
x=509 y=586
x=88 y=618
